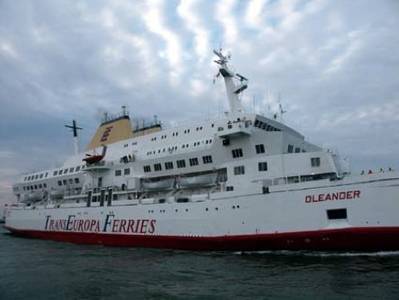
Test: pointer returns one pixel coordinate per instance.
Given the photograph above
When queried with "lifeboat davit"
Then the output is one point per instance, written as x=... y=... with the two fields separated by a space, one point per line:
x=92 y=159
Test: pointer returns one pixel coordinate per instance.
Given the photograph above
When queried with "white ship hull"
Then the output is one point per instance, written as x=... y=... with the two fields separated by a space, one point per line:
x=282 y=219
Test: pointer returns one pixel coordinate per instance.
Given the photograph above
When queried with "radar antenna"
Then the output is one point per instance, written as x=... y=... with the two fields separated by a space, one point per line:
x=235 y=83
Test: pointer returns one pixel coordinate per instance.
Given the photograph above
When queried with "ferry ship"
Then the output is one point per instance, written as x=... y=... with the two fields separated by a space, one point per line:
x=238 y=182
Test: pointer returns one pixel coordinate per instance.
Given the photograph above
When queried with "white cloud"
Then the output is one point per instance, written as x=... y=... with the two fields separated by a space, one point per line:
x=154 y=19
x=354 y=44
x=8 y=49
x=253 y=14
x=187 y=11
x=226 y=17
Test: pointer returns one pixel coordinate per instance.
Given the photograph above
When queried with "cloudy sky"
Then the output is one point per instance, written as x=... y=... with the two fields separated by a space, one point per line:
x=335 y=65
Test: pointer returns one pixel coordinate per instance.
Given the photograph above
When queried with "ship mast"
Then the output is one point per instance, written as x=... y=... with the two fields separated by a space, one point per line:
x=75 y=129
x=234 y=82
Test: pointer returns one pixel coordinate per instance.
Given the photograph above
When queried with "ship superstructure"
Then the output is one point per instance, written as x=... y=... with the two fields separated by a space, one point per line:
x=242 y=182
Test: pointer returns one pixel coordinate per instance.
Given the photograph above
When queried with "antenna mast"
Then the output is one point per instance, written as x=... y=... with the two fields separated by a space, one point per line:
x=235 y=83
x=75 y=129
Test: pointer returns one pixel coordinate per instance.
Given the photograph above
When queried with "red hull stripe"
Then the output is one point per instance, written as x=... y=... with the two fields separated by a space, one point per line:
x=355 y=239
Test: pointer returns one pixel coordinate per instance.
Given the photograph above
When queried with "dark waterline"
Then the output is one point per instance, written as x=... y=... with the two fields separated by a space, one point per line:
x=37 y=269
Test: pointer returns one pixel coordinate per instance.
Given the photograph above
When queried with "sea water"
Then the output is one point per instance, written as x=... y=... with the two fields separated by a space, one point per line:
x=38 y=269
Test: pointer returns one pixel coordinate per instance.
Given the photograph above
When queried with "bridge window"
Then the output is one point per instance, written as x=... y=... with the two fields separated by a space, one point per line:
x=239 y=170
x=229 y=188
x=59 y=182
x=315 y=162
x=237 y=153
x=76 y=180
x=297 y=150
x=77 y=168
x=207 y=159
x=126 y=171
x=71 y=170
x=118 y=172
x=157 y=167
x=147 y=169
x=262 y=166
x=194 y=161
x=169 y=165
x=290 y=149
x=181 y=163
x=260 y=148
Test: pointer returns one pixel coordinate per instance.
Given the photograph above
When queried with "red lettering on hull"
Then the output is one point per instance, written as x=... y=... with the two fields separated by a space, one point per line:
x=332 y=196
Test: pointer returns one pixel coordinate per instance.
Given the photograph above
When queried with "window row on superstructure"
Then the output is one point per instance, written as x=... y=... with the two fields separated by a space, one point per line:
x=55 y=173
x=169 y=165
x=43 y=185
x=292 y=149
x=174 y=148
x=262 y=125
x=176 y=133
x=240 y=170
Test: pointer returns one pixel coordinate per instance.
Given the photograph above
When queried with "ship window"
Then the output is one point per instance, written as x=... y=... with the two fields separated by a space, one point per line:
x=239 y=170
x=260 y=148
x=147 y=169
x=64 y=182
x=168 y=165
x=181 y=163
x=40 y=186
x=71 y=170
x=77 y=168
x=262 y=166
x=207 y=159
x=59 y=182
x=59 y=172
x=118 y=172
x=76 y=180
x=182 y=200
x=337 y=214
x=237 y=153
x=229 y=188
x=193 y=161
x=41 y=175
x=290 y=148
x=35 y=187
x=297 y=150
x=157 y=167
x=44 y=185
x=37 y=176
x=65 y=171
x=126 y=171
x=46 y=174
x=315 y=161
x=70 y=180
